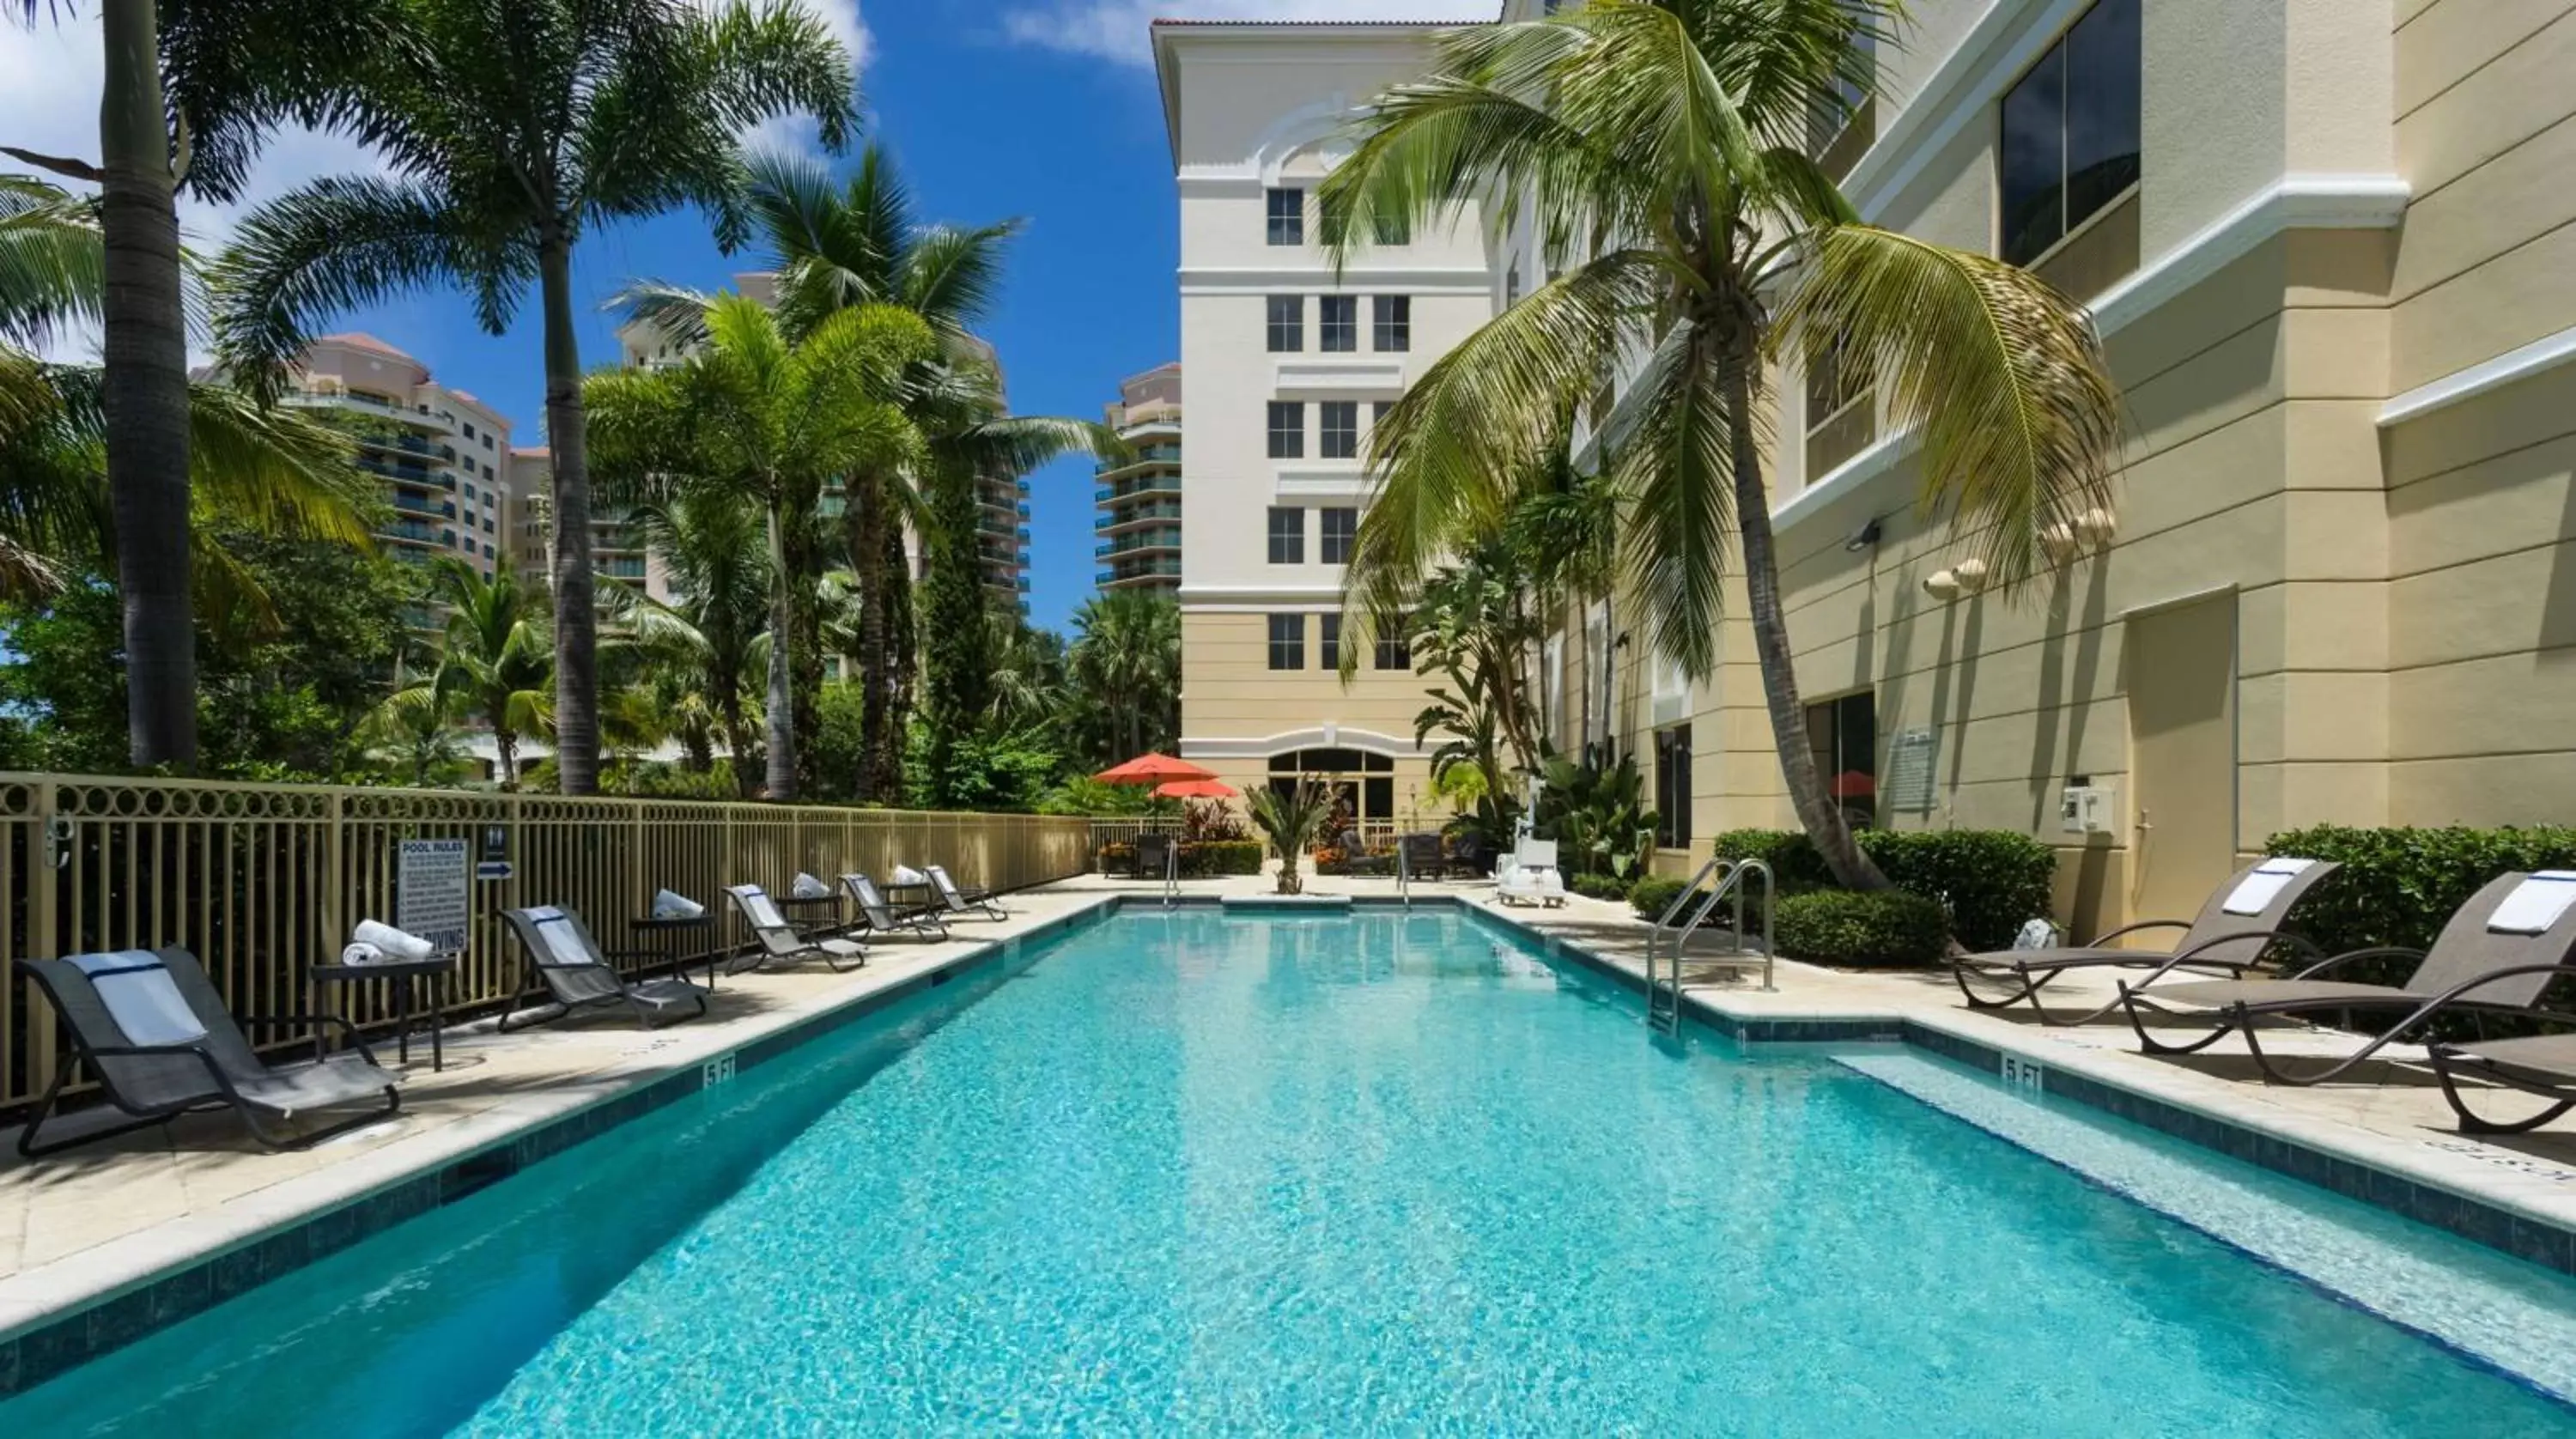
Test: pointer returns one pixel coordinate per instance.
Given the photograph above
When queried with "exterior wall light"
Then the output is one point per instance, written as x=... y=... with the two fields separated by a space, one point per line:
x=1941 y=585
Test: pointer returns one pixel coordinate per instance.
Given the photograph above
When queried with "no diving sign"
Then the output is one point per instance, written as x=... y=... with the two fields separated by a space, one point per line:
x=432 y=895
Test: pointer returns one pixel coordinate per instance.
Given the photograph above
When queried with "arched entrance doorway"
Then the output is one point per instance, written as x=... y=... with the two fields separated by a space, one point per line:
x=1362 y=784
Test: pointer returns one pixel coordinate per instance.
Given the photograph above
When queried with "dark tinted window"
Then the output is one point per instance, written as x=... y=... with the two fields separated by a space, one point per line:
x=1287 y=642
x=2070 y=131
x=2034 y=159
x=1287 y=325
x=1287 y=217
x=1337 y=325
x=1338 y=435
x=1287 y=430
x=1287 y=535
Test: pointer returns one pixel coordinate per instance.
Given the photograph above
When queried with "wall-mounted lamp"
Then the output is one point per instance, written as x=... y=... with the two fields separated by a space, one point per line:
x=2095 y=527
x=1863 y=538
x=1941 y=585
x=1971 y=575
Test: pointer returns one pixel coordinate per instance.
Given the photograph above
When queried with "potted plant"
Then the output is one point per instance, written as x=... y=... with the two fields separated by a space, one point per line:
x=1290 y=820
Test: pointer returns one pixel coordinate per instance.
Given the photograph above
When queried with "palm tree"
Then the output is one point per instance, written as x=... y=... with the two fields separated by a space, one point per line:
x=1290 y=819
x=711 y=542
x=414 y=733
x=493 y=664
x=510 y=129
x=185 y=106
x=836 y=245
x=1127 y=654
x=1664 y=139
x=278 y=473
x=751 y=415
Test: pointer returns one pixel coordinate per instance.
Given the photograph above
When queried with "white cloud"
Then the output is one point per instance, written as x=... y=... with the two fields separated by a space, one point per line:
x=1121 y=30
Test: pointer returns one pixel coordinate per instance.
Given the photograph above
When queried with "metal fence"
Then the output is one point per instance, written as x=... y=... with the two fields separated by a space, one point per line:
x=261 y=882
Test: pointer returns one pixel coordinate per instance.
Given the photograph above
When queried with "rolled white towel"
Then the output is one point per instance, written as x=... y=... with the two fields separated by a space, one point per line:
x=906 y=874
x=396 y=945
x=362 y=952
x=669 y=905
x=808 y=887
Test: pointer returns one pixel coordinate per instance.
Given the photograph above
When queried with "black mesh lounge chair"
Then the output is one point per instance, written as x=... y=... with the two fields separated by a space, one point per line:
x=2542 y=1064
x=186 y=1052
x=965 y=903
x=565 y=962
x=2484 y=961
x=777 y=940
x=881 y=918
x=2244 y=916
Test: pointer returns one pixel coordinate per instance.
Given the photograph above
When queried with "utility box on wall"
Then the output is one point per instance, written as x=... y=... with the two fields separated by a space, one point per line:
x=2087 y=808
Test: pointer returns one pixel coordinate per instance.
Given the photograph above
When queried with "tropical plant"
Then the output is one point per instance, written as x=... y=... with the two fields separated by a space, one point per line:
x=1126 y=665
x=413 y=734
x=711 y=544
x=751 y=415
x=1290 y=820
x=1474 y=626
x=493 y=664
x=838 y=245
x=510 y=131
x=1598 y=814
x=1656 y=150
x=191 y=89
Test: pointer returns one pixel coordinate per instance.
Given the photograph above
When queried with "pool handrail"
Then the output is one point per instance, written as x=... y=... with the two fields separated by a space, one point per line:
x=1663 y=1008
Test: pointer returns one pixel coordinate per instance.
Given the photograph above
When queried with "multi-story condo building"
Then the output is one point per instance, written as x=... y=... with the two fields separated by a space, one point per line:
x=617 y=549
x=443 y=455
x=2327 y=247
x=1289 y=362
x=1139 y=525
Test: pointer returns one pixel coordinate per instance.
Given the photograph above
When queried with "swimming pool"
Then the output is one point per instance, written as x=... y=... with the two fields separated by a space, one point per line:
x=1182 y=1172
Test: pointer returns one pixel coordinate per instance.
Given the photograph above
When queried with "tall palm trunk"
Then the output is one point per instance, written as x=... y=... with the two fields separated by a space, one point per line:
x=1817 y=813
x=576 y=631
x=506 y=742
x=782 y=698
x=867 y=558
x=895 y=604
x=146 y=392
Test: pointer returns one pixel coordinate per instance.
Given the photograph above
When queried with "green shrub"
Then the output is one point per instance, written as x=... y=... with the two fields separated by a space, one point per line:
x=1651 y=896
x=1989 y=880
x=2398 y=886
x=1599 y=886
x=1886 y=927
x=1222 y=856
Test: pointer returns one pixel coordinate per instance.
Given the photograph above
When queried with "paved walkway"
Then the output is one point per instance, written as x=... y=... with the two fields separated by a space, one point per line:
x=101 y=1219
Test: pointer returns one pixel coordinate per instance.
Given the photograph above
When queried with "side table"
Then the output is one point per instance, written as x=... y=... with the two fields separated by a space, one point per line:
x=408 y=977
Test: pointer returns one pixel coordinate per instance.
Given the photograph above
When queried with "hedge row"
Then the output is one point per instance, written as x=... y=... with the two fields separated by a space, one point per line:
x=2398 y=886
x=1859 y=927
x=1990 y=882
x=1202 y=860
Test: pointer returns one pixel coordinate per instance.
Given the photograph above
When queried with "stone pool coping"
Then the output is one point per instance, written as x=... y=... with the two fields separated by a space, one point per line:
x=59 y=1315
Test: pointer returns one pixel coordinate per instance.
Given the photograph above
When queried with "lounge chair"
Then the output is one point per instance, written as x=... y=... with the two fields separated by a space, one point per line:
x=1530 y=877
x=2541 y=1064
x=2243 y=917
x=565 y=962
x=781 y=941
x=152 y=1029
x=2495 y=956
x=882 y=919
x=965 y=903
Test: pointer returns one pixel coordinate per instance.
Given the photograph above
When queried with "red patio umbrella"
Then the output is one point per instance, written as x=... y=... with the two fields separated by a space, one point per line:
x=1152 y=769
x=1195 y=789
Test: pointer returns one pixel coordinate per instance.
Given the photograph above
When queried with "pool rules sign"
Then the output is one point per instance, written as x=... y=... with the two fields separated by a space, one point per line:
x=433 y=892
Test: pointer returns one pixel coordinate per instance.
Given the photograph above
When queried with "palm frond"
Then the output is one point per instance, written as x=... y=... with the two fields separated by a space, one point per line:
x=677 y=311
x=1678 y=464
x=52 y=262
x=2003 y=376
x=278 y=471
x=952 y=274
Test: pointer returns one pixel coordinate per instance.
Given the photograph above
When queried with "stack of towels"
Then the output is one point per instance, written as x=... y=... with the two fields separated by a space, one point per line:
x=377 y=943
x=670 y=905
x=808 y=887
x=906 y=874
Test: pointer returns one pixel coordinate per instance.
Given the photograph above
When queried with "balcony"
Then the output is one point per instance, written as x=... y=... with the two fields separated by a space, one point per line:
x=1023 y=508
x=1112 y=521
x=1149 y=485
x=409 y=533
x=1163 y=539
x=1136 y=570
x=1143 y=457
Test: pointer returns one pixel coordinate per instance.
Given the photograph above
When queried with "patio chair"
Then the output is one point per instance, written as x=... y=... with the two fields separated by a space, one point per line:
x=2243 y=918
x=1153 y=855
x=1422 y=857
x=965 y=903
x=882 y=919
x=1530 y=877
x=2541 y=1064
x=565 y=962
x=152 y=1029
x=784 y=942
x=2497 y=955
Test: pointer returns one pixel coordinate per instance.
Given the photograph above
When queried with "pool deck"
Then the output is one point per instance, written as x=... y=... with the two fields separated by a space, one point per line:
x=93 y=1231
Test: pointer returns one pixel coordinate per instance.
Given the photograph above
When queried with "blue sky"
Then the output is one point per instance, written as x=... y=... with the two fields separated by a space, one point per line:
x=1041 y=109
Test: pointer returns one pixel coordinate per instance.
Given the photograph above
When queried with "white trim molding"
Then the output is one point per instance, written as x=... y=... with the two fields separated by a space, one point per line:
x=1955 y=93
x=1321 y=279
x=2460 y=386
x=1344 y=480
x=2328 y=201
x=1259 y=599
x=1325 y=736
x=1844 y=478
x=1354 y=378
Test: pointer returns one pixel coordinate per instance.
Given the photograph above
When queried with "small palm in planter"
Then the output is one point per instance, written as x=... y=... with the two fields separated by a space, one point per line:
x=1290 y=820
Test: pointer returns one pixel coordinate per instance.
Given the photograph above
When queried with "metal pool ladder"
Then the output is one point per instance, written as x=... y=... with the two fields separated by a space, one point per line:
x=1683 y=917
x=1171 y=875
x=1404 y=872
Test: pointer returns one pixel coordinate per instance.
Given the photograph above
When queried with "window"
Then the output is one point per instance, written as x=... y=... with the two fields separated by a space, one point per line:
x=1287 y=324
x=469 y=492
x=1328 y=650
x=2070 y=131
x=487 y=444
x=1337 y=326
x=1339 y=432
x=1673 y=787
x=1287 y=642
x=1341 y=526
x=1391 y=229
x=1378 y=409
x=1512 y=285
x=1287 y=430
x=1287 y=217
x=469 y=429
x=1393 y=653
x=1843 y=736
x=1287 y=535
x=1394 y=323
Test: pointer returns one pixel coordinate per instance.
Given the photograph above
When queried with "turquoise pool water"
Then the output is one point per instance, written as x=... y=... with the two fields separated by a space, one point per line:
x=1384 y=1174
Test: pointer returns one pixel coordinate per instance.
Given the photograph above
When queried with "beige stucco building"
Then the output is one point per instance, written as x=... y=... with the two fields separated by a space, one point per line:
x=2331 y=249
x=1288 y=362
